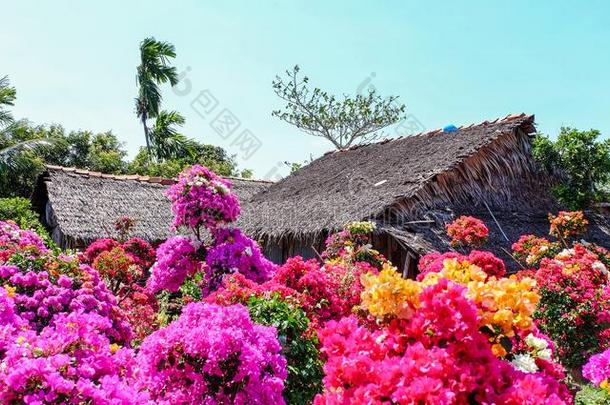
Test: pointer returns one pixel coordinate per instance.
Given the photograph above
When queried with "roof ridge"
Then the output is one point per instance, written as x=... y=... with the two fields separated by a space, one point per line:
x=135 y=177
x=499 y=120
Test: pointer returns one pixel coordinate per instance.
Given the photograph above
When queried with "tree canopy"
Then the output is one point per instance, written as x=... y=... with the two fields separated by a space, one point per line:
x=580 y=161
x=343 y=121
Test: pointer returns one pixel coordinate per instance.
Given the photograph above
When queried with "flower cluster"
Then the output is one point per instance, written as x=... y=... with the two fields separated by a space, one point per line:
x=531 y=249
x=353 y=244
x=233 y=252
x=486 y=261
x=176 y=260
x=212 y=354
x=70 y=361
x=389 y=295
x=568 y=224
x=12 y=237
x=438 y=355
x=141 y=252
x=117 y=267
x=41 y=295
x=325 y=293
x=574 y=308
x=597 y=370
x=505 y=305
x=201 y=198
x=467 y=231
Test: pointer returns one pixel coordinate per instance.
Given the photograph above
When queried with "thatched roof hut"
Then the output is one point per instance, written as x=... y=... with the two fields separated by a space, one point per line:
x=411 y=187
x=79 y=206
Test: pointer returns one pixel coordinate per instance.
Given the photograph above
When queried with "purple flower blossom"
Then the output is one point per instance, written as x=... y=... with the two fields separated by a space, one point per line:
x=201 y=198
x=211 y=355
x=175 y=262
x=233 y=252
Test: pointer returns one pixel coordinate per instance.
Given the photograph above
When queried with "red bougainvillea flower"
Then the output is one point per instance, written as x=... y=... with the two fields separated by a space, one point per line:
x=467 y=231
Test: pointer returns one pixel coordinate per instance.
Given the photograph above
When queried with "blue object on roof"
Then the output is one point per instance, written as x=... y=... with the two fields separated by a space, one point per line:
x=450 y=128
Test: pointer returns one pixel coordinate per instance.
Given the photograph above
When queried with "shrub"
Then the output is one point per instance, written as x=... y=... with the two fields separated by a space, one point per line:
x=176 y=260
x=467 y=231
x=19 y=210
x=212 y=354
x=303 y=362
x=590 y=395
x=574 y=307
x=435 y=355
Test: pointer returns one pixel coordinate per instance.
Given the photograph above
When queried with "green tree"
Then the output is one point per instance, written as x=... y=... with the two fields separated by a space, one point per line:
x=154 y=69
x=83 y=149
x=8 y=94
x=213 y=157
x=166 y=141
x=343 y=122
x=580 y=161
x=10 y=151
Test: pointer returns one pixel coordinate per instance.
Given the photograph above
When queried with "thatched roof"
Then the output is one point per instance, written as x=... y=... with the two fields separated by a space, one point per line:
x=84 y=205
x=400 y=179
x=505 y=228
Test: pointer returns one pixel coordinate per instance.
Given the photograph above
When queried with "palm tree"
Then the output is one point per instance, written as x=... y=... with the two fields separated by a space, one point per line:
x=8 y=95
x=9 y=154
x=154 y=69
x=166 y=142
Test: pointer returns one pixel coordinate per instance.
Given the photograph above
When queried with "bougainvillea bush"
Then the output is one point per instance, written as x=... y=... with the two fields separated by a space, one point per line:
x=434 y=343
x=63 y=338
x=123 y=266
x=213 y=355
x=467 y=231
x=344 y=328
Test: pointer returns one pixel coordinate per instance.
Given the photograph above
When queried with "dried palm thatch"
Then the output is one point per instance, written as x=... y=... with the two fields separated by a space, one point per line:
x=80 y=206
x=397 y=181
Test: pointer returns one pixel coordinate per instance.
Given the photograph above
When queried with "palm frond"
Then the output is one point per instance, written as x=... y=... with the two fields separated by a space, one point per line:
x=9 y=155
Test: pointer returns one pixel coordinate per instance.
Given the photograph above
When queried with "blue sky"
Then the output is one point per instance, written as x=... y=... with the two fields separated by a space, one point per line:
x=73 y=63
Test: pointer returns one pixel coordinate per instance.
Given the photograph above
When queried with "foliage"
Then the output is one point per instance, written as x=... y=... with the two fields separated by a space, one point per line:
x=213 y=157
x=303 y=362
x=213 y=354
x=343 y=122
x=154 y=69
x=19 y=210
x=8 y=94
x=590 y=395
x=98 y=152
x=581 y=159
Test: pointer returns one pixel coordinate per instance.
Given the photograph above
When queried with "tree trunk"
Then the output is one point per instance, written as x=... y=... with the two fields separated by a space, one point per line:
x=144 y=119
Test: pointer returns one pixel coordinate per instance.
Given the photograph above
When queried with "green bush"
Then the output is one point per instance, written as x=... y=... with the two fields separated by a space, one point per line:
x=591 y=395
x=304 y=366
x=20 y=210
